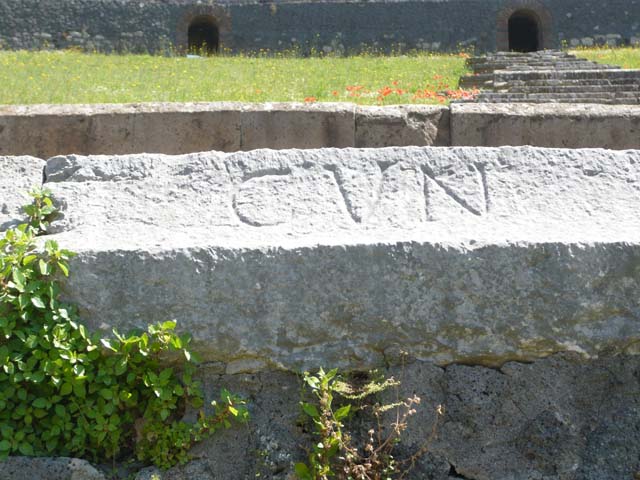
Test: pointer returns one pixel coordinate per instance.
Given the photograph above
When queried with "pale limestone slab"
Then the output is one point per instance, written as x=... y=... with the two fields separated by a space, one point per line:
x=338 y=257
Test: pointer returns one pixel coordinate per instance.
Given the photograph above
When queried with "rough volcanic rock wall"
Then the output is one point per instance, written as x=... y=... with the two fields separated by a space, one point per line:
x=330 y=27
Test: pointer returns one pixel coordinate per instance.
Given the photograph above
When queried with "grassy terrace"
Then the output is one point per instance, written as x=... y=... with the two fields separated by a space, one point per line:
x=625 y=57
x=72 y=77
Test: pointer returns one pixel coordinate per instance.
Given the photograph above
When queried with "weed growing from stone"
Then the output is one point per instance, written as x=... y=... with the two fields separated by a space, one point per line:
x=65 y=391
x=336 y=453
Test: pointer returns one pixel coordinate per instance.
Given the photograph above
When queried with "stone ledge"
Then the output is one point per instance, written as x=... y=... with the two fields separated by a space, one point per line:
x=546 y=125
x=174 y=128
x=48 y=130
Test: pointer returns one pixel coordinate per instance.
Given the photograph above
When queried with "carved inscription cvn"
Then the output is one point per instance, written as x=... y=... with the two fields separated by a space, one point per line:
x=360 y=194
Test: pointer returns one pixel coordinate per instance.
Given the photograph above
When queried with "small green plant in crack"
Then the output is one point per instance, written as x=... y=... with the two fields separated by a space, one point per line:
x=41 y=210
x=335 y=453
x=66 y=391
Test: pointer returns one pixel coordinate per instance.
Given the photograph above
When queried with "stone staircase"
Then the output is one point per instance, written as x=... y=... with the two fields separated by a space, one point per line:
x=550 y=77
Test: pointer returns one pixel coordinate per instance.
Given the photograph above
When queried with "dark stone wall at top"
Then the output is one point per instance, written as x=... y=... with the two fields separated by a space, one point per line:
x=160 y=26
x=381 y=25
x=104 y=25
x=577 y=19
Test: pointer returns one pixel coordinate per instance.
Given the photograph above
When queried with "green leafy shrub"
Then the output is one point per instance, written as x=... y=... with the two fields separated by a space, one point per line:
x=335 y=452
x=65 y=391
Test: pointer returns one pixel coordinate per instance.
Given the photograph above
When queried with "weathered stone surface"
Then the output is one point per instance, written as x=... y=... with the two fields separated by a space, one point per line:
x=297 y=125
x=48 y=130
x=45 y=130
x=401 y=126
x=60 y=468
x=336 y=257
x=18 y=175
x=560 y=418
x=543 y=420
x=266 y=447
x=546 y=125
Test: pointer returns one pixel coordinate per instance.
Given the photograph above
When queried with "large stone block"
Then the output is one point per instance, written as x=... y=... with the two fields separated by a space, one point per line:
x=18 y=175
x=402 y=126
x=556 y=418
x=339 y=257
x=297 y=125
x=545 y=125
x=48 y=130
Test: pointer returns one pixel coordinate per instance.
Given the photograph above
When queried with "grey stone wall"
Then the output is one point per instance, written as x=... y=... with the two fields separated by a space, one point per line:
x=330 y=26
x=595 y=22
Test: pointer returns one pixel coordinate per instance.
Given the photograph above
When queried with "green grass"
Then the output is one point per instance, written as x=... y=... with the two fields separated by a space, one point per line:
x=73 y=77
x=627 y=57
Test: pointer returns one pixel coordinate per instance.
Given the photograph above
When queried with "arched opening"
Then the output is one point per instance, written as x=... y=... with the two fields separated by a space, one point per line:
x=203 y=35
x=524 y=32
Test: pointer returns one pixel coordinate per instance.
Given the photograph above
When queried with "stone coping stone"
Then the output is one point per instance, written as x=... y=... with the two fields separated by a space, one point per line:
x=18 y=175
x=48 y=130
x=301 y=258
x=545 y=125
x=177 y=128
x=297 y=125
x=402 y=126
x=173 y=128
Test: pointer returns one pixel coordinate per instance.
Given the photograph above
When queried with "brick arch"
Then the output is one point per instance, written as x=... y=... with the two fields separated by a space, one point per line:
x=535 y=9
x=217 y=13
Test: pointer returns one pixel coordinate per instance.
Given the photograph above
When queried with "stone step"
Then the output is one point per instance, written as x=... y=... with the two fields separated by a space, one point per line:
x=631 y=99
x=506 y=76
x=568 y=82
x=490 y=61
x=570 y=89
x=551 y=76
x=563 y=95
x=594 y=100
x=470 y=81
x=545 y=66
x=521 y=59
x=530 y=61
x=526 y=99
x=500 y=83
x=604 y=94
x=516 y=56
x=563 y=66
x=486 y=81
